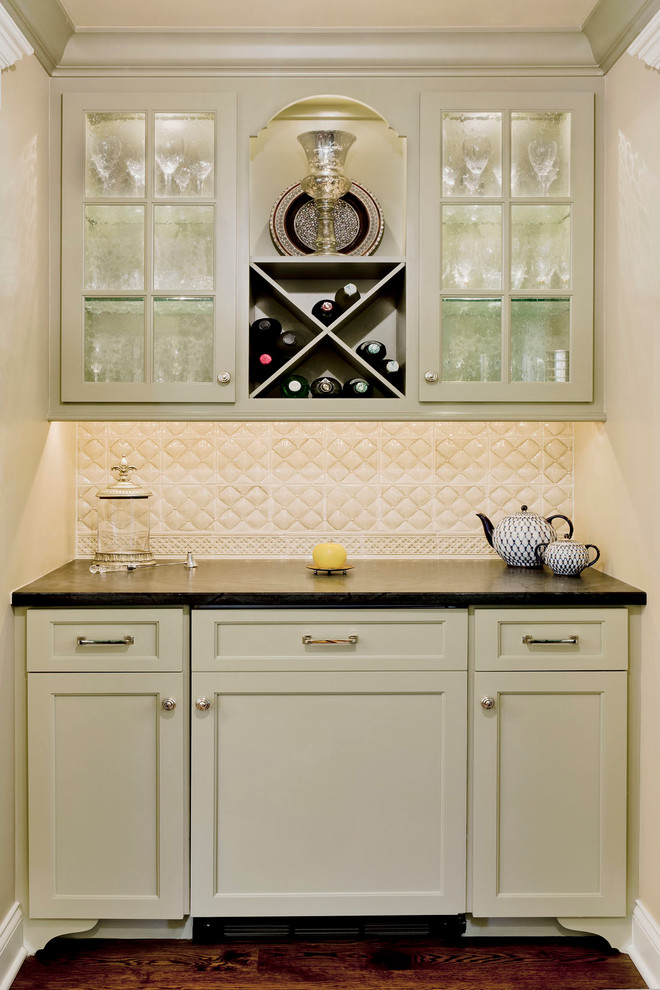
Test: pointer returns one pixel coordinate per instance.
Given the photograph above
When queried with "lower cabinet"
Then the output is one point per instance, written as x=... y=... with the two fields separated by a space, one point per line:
x=107 y=767
x=329 y=777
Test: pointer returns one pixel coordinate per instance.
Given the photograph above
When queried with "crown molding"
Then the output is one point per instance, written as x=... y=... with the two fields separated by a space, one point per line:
x=46 y=26
x=13 y=43
x=647 y=45
x=614 y=24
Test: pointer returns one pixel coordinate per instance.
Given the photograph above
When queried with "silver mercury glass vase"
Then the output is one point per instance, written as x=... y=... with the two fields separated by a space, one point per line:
x=326 y=182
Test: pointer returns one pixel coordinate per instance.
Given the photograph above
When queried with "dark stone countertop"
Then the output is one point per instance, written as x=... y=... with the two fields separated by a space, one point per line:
x=287 y=583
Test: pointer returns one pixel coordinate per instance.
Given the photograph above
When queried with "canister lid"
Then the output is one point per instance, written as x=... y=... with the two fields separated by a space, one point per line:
x=123 y=486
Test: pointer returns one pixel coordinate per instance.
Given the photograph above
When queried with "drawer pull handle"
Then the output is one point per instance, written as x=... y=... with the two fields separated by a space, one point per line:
x=168 y=704
x=570 y=641
x=308 y=641
x=126 y=641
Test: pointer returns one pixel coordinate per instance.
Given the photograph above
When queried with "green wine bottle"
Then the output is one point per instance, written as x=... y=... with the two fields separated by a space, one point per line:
x=294 y=387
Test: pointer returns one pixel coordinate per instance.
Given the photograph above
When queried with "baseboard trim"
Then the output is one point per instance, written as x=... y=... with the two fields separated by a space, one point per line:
x=645 y=945
x=12 y=950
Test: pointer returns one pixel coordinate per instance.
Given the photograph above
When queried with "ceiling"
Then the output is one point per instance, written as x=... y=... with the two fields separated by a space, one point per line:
x=527 y=14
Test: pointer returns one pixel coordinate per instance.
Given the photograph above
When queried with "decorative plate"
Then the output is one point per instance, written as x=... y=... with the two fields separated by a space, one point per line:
x=359 y=222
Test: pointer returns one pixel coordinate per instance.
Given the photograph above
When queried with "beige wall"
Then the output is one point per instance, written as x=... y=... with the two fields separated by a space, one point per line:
x=36 y=461
x=617 y=464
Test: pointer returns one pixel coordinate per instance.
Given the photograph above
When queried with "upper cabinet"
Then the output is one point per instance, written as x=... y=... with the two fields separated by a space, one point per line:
x=391 y=250
x=148 y=248
x=507 y=248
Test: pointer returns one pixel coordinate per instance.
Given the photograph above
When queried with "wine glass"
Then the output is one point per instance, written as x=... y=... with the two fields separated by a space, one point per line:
x=105 y=153
x=476 y=153
x=201 y=163
x=182 y=178
x=169 y=155
x=543 y=156
x=135 y=166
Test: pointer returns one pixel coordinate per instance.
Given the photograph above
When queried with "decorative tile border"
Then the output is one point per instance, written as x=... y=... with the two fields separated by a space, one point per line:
x=274 y=489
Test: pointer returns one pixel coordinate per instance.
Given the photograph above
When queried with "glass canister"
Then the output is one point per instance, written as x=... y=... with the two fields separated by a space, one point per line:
x=123 y=520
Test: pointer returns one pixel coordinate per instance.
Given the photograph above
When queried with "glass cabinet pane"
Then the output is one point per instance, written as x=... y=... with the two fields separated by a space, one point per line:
x=540 y=154
x=184 y=154
x=540 y=248
x=114 y=340
x=114 y=154
x=540 y=340
x=114 y=247
x=471 y=154
x=472 y=247
x=471 y=340
x=183 y=340
x=183 y=247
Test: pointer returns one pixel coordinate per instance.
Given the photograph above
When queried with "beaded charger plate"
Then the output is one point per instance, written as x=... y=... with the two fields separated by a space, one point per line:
x=358 y=218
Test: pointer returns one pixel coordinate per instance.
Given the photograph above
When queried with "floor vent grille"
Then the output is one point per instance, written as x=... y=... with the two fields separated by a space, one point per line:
x=309 y=929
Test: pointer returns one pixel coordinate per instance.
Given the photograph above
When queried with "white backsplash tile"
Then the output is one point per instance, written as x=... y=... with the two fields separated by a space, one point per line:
x=396 y=489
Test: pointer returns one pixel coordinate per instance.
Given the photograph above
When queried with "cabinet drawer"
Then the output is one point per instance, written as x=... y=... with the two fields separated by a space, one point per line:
x=551 y=639
x=90 y=639
x=330 y=639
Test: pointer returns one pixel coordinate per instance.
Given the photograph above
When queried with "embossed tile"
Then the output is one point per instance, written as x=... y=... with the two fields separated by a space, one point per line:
x=92 y=462
x=353 y=508
x=297 y=458
x=260 y=431
x=558 y=429
x=352 y=459
x=516 y=429
x=129 y=431
x=184 y=430
x=515 y=461
x=558 y=460
x=406 y=507
x=297 y=507
x=189 y=460
x=243 y=459
x=406 y=430
x=143 y=453
x=476 y=429
x=86 y=431
x=557 y=498
x=189 y=508
x=406 y=459
x=86 y=509
x=456 y=507
x=461 y=460
x=292 y=429
x=242 y=507
x=503 y=500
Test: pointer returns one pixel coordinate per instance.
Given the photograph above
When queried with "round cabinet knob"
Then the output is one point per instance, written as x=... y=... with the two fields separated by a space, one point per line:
x=202 y=704
x=224 y=378
x=487 y=704
x=169 y=704
x=431 y=376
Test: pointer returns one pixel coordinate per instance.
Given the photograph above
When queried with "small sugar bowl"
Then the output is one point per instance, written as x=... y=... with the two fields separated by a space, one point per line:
x=566 y=557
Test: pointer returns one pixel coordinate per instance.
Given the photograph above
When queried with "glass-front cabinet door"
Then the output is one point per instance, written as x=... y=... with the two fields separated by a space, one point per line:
x=148 y=248
x=507 y=247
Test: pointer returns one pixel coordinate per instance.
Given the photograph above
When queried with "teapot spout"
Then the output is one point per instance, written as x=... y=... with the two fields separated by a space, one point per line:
x=488 y=527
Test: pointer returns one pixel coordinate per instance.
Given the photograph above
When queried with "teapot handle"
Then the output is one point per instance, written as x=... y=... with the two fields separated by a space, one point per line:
x=590 y=546
x=541 y=547
x=558 y=515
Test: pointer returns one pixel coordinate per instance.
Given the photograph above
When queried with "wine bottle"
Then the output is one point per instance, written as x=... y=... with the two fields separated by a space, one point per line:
x=325 y=387
x=357 y=388
x=347 y=295
x=325 y=310
x=264 y=332
x=392 y=371
x=262 y=365
x=288 y=343
x=372 y=351
x=294 y=387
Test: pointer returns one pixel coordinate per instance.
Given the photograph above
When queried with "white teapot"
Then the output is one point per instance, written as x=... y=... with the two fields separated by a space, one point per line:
x=566 y=557
x=516 y=537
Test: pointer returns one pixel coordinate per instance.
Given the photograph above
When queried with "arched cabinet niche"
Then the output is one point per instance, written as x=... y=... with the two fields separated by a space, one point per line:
x=287 y=279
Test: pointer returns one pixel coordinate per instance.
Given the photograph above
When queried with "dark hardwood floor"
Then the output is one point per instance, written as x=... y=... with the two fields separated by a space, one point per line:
x=415 y=964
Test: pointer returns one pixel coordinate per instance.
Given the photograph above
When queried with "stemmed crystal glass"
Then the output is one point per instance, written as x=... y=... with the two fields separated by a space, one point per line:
x=169 y=155
x=201 y=163
x=543 y=156
x=476 y=153
x=135 y=166
x=326 y=182
x=182 y=178
x=105 y=153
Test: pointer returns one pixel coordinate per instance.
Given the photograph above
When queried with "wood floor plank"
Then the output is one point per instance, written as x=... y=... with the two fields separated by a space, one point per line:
x=420 y=964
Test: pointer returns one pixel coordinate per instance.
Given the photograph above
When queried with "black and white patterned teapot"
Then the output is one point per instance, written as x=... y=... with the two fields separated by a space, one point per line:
x=516 y=537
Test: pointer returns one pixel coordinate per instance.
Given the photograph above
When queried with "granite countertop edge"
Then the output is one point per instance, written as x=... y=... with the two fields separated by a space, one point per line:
x=287 y=583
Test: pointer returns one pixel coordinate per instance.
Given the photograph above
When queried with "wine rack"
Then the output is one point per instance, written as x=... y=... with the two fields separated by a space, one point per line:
x=287 y=288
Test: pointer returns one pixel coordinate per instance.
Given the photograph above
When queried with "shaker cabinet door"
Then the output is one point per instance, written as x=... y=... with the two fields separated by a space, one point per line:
x=107 y=802
x=148 y=247
x=549 y=794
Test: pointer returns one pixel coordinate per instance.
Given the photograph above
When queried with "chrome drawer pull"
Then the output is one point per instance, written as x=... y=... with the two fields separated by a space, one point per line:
x=571 y=641
x=308 y=641
x=126 y=641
